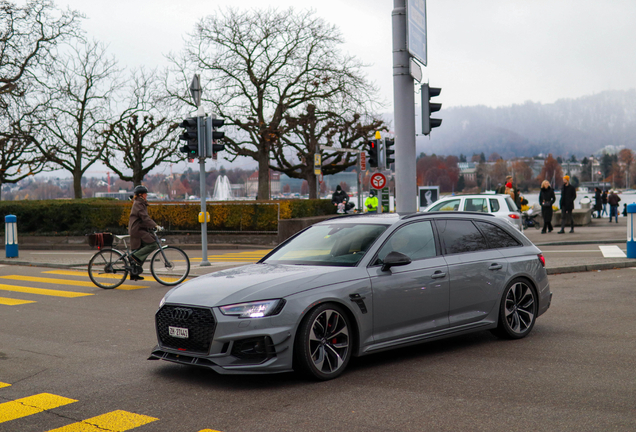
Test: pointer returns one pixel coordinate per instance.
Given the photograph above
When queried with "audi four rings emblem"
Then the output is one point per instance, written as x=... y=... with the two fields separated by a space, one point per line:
x=181 y=314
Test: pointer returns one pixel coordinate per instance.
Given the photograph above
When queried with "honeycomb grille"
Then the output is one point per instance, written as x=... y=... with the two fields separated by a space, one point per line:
x=199 y=322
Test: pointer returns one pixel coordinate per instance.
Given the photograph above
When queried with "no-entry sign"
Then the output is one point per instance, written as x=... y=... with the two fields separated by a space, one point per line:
x=378 y=181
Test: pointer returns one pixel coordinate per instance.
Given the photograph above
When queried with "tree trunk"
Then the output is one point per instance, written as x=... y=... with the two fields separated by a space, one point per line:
x=263 y=176
x=312 y=181
x=77 y=185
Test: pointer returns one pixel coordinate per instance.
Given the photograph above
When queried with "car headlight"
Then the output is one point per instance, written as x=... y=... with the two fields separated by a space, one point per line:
x=257 y=309
x=162 y=302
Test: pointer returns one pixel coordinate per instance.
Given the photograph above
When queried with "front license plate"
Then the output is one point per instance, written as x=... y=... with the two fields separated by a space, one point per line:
x=178 y=332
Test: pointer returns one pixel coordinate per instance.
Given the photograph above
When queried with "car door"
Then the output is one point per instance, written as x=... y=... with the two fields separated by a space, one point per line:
x=410 y=299
x=477 y=273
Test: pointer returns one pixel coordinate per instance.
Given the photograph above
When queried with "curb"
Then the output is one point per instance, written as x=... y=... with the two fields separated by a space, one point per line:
x=580 y=242
x=590 y=267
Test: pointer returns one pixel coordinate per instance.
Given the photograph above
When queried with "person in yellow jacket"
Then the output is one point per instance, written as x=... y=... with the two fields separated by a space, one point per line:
x=371 y=203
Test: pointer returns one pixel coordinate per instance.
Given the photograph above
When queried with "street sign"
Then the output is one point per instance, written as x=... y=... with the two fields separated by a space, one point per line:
x=416 y=29
x=317 y=164
x=415 y=70
x=195 y=89
x=378 y=181
x=363 y=161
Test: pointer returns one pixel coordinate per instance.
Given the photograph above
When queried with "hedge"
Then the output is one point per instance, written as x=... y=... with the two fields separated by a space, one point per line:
x=78 y=217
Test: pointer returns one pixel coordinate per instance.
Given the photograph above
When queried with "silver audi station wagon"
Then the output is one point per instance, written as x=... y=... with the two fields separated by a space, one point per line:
x=356 y=285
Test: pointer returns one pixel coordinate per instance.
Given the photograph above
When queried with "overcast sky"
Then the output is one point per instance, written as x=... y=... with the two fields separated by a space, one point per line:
x=490 y=52
x=487 y=52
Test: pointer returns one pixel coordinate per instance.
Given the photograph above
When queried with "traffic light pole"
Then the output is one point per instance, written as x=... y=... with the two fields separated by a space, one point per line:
x=202 y=146
x=404 y=114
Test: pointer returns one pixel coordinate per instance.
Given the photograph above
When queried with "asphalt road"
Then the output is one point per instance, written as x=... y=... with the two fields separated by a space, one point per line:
x=84 y=350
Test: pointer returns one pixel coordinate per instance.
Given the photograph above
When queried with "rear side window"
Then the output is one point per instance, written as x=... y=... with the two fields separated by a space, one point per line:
x=494 y=205
x=476 y=205
x=450 y=205
x=511 y=205
x=460 y=236
x=497 y=238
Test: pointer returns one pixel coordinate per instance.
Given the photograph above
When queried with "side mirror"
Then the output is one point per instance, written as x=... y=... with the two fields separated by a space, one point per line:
x=395 y=259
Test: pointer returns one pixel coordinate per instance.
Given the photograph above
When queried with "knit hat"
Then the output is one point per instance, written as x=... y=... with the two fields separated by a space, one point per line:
x=509 y=184
x=566 y=178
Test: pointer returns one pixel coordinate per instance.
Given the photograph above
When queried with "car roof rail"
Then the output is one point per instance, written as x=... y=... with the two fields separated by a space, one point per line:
x=410 y=216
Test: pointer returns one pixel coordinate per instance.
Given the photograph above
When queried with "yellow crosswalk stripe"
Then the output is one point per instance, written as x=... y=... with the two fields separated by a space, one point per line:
x=13 y=302
x=31 y=405
x=63 y=281
x=3 y=385
x=79 y=273
x=42 y=291
x=107 y=276
x=115 y=421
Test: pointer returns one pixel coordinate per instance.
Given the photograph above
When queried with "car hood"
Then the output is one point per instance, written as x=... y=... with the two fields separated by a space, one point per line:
x=258 y=282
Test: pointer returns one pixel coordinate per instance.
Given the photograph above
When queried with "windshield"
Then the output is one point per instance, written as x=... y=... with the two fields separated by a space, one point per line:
x=329 y=245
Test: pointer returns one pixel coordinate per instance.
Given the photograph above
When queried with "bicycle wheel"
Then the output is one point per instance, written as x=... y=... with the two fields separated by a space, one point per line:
x=170 y=267
x=107 y=268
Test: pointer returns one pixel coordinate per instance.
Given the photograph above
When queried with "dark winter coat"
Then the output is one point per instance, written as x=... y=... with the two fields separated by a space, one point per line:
x=613 y=199
x=339 y=197
x=604 y=197
x=568 y=195
x=139 y=224
x=598 y=200
x=547 y=197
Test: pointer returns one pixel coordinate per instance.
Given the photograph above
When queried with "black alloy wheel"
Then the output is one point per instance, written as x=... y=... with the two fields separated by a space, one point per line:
x=323 y=343
x=518 y=310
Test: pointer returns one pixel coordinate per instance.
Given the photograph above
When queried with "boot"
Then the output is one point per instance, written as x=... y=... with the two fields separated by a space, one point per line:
x=561 y=232
x=135 y=277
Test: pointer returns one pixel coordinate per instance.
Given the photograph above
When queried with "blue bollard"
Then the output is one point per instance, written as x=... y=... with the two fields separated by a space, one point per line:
x=11 y=236
x=631 y=242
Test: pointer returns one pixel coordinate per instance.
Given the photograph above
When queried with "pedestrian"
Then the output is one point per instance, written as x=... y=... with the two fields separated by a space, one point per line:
x=141 y=241
x=598 y=202
x=509 y=188
x=604 y=198
x=341 y=197
x=546 y=199
x=371 y=203
x=568 y=195
x=625 y=210
x=613 y=200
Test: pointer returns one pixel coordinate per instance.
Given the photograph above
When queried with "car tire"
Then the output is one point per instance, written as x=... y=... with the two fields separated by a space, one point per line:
x=518 y=310
x=323 y=345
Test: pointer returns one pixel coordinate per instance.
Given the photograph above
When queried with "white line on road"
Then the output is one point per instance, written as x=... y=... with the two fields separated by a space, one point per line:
x=612 y=252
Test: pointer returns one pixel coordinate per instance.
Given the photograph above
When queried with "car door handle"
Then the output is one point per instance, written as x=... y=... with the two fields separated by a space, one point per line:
x=438 y=275
x=495 y=267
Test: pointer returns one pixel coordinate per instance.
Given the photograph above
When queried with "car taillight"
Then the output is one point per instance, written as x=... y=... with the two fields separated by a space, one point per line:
x=541 y=259
x=513 y=216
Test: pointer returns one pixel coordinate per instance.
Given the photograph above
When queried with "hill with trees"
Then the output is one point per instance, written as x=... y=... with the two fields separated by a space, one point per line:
x=566 y=127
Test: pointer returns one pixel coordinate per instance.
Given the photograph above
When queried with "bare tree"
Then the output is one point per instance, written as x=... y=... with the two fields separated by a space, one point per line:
x=19 y=158
x=28 y=37
x=261 y=65
x=304 y=134
x=143 y=137
x=78 y=96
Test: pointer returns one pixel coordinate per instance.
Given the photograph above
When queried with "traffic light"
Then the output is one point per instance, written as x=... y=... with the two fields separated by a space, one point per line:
x=372 y=159
x=428 y=108
x=191 y=136
x=389 y=152
x=217 y=135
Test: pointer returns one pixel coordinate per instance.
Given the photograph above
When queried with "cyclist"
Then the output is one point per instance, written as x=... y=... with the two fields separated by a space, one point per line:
x=141 y=241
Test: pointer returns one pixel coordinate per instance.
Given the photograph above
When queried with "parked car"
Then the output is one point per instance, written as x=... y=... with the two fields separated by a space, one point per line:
x=498 y=205
x=356 y=285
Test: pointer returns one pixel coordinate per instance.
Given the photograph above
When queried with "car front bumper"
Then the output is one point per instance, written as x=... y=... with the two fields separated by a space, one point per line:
x=225 y=344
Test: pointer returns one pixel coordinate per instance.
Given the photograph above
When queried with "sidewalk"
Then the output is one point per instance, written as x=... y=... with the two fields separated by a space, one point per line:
x=599 y=232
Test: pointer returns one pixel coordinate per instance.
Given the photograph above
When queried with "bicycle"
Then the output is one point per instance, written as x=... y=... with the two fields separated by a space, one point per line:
x=169 y=265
